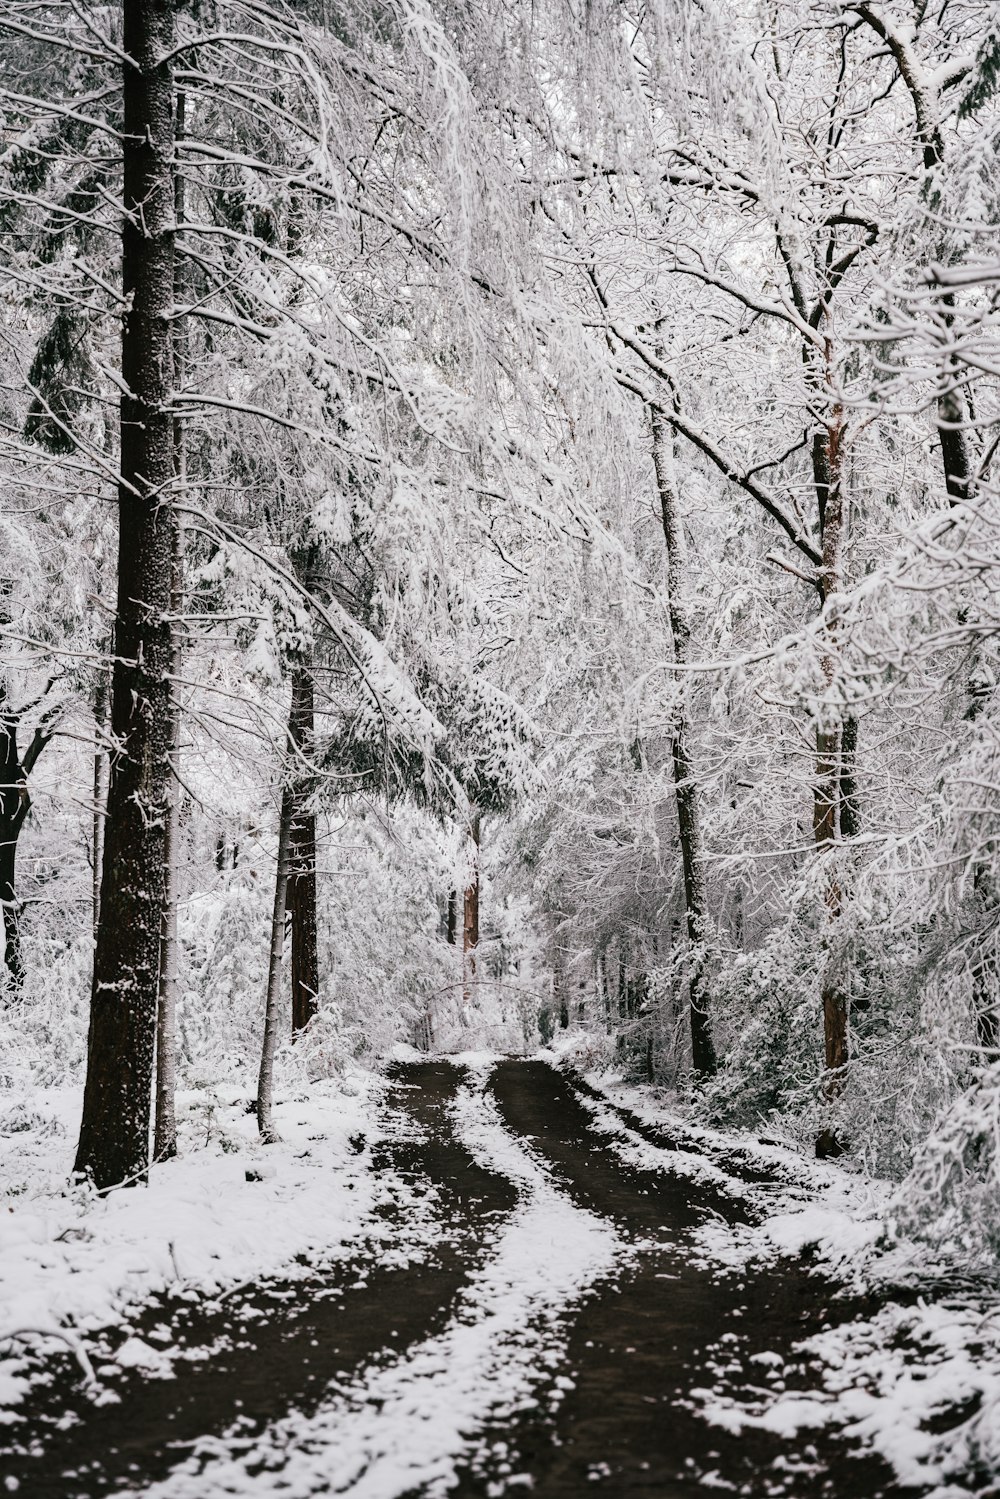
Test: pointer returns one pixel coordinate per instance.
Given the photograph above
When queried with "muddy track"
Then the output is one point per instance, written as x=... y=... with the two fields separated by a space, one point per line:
x=640 y=1344
x=279 y=1344
x=664 y=1326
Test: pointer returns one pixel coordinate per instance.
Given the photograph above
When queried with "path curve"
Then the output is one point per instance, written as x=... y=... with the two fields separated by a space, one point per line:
x=560 y=1338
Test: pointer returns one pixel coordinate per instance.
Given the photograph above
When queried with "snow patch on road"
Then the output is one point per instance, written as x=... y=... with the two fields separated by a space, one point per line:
x=891 y=1383
x=406 y=1425
x=806 y=1206
x=919 y=1384
x=631 y=1148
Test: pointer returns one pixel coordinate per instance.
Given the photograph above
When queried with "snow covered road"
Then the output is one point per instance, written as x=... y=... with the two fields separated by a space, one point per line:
x=538 y=1313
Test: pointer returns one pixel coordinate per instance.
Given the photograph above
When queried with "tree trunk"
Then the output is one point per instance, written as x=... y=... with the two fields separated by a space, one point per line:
x=828 y=786
x=559 y=995
x=685 y=787
x=849 y=817
x=165 y=1120
x=165 y=1126
x=100 y=791
x=470 y=925
x=114 y=1134
x=302 y=854
x=265 y=1081
x=13 y=796
x=452 y=927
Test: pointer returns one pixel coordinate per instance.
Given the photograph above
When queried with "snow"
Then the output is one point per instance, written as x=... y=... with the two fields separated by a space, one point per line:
x=881 y=1380
x=72 y=1263
x=800 y=1205
x=917 y=1384
x=404 y=1426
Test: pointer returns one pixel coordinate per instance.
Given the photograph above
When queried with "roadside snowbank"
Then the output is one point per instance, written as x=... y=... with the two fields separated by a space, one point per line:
x=72 y=1262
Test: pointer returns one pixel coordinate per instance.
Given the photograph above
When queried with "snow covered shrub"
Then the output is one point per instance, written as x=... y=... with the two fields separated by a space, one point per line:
x=767 y=1016
x=951 y=1196
x=223 y=971
x=43 y=1031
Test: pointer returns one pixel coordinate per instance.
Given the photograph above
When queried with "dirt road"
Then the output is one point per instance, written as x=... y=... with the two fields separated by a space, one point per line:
x=453 y=1372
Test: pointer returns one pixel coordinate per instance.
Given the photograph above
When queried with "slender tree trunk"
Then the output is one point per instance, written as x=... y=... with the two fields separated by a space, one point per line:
x=828 y=786
x=470 y=925
x=100 y=791
x=452 y=927
x=13 y=792
x=685 y=785
x=559 y=995
x=849 y=817
x=265 y=1082
x=622 y=982
x=302 y=855
x=114 y=1133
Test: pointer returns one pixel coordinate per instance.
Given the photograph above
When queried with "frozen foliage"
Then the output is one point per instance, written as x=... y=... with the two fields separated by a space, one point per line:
x=579 y=625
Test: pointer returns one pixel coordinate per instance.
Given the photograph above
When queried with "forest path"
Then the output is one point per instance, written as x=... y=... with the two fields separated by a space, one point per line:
x=664 y=1325
x=271 y=1347
x=554 y=1339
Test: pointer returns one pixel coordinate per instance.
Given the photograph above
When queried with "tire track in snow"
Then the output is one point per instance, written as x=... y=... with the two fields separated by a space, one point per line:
x=402 y=1427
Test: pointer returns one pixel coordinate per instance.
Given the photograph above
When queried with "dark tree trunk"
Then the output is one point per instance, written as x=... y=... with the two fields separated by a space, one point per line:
x=849 y=816
x=13 y=808
x=829 y=784
x=559 y=993
x=302 y=854
x=685 y=786
x=470 y=924
x=114 y=1134
x=165 y=1119
x=265 y=1080
x=452 y=928
x=100 y=790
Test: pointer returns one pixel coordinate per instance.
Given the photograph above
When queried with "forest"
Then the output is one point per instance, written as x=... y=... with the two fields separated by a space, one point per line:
x=499 y=626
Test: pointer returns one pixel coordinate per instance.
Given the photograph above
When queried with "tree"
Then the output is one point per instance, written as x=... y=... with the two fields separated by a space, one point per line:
x=114 y=1133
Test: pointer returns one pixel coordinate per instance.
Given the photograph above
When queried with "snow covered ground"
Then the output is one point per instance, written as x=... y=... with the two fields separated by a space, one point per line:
x=73 y=1265
x=928 y=1357
x=225 y=1212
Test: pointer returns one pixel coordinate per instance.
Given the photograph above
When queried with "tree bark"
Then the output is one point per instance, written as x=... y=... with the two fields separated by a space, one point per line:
x=165 y=1117
x=13 y=808
x=559 y=996
x=470 y=925
x=114 y=1133
x=100 y=791
x=828 y=786
x=265 y=1081
x=302 y=854
x=703 y=1056
x=165 y=1124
